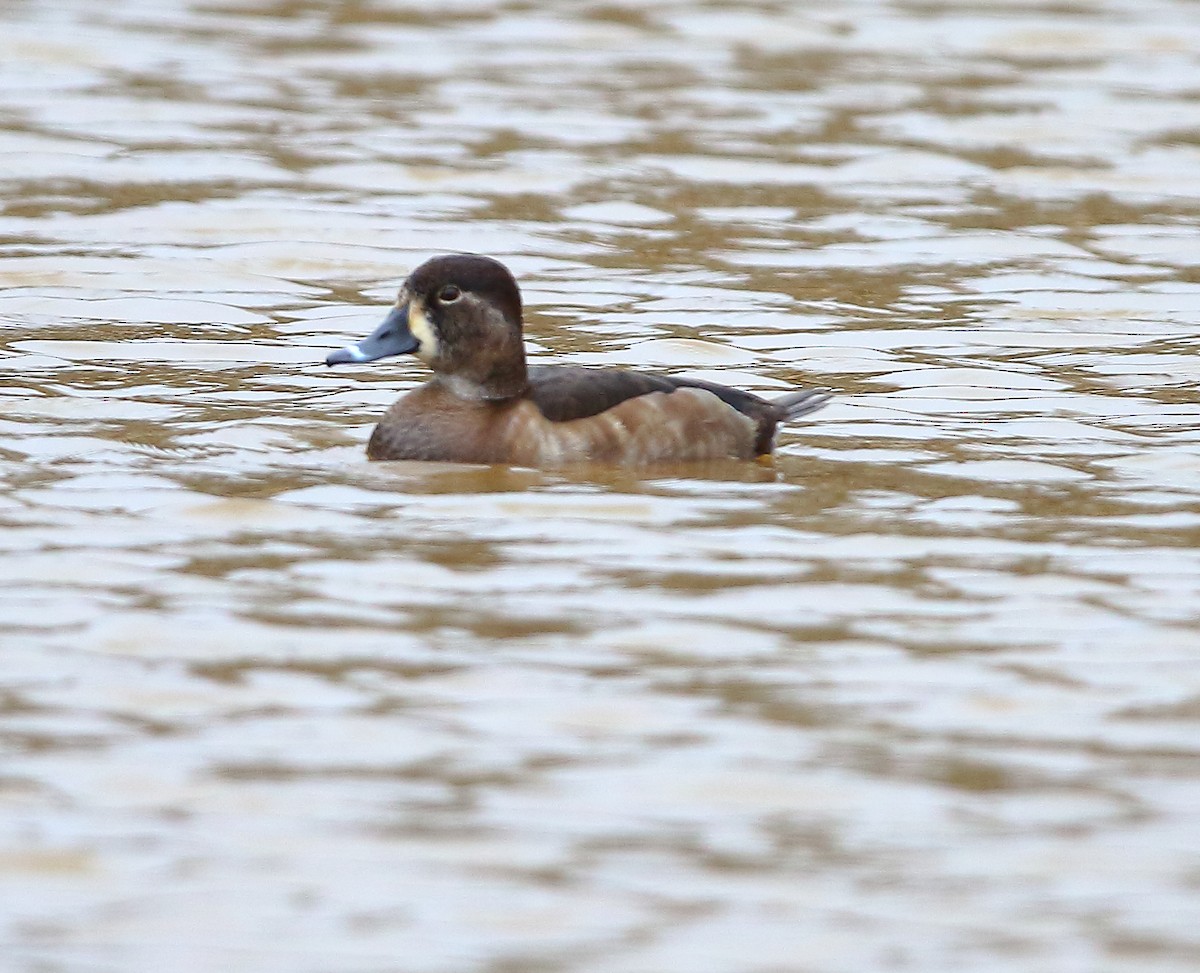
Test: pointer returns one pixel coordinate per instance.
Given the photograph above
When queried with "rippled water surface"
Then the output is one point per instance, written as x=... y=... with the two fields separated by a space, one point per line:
x=923 y=695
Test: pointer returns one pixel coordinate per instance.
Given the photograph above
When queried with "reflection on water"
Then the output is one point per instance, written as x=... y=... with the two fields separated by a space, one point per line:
x=921 y=695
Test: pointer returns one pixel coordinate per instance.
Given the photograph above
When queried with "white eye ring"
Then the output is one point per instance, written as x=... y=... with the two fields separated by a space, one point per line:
x=449 y=294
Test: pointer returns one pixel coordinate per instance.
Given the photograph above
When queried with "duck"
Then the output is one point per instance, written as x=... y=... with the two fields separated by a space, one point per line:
x=461 y=314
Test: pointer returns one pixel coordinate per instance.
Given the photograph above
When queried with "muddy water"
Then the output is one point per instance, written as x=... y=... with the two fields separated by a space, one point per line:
x=921 y=696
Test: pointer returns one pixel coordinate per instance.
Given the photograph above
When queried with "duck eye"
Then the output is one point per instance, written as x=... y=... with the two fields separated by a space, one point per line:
x=448 y=294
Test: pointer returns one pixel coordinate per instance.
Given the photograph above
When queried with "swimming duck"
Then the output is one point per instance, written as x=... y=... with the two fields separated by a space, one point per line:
x=461 y=314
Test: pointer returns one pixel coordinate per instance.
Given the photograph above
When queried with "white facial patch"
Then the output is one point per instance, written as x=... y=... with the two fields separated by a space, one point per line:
x=423 y=331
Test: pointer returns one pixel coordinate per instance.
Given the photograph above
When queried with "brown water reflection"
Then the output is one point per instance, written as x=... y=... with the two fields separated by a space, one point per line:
x=921 y=695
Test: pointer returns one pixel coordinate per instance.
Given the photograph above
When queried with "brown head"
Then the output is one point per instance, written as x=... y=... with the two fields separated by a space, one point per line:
x=461 y=315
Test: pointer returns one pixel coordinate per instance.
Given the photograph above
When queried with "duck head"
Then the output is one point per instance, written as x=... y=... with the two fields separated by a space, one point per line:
x=461 y=315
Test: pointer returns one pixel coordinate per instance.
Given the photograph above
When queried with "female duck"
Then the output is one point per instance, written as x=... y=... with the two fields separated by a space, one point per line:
x=461 y=315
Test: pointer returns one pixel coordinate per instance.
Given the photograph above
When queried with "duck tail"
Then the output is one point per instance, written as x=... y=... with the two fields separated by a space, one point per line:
x=799 y=404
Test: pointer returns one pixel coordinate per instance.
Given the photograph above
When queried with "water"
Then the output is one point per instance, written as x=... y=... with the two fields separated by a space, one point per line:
x=920 y=696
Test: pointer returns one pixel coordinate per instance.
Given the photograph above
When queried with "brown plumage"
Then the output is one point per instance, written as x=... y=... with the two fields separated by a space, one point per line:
x=462 y=315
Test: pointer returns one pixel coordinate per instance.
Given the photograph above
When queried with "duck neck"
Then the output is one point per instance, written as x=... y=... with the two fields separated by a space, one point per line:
x=503 y=380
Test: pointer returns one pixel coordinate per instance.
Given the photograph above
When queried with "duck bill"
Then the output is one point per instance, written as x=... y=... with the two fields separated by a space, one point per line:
x=393 y=337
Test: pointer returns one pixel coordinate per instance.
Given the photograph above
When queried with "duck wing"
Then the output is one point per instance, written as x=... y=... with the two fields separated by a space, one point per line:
x=566 y=392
